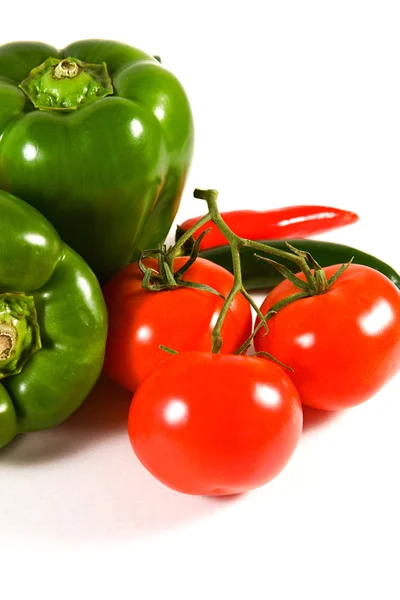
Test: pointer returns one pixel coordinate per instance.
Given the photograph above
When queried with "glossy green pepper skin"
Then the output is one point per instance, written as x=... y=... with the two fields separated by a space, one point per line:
x=53 y=323
x=99 y=138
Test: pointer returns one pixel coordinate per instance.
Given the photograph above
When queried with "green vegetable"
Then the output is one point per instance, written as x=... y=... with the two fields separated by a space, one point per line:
x=53 y=323
x=99 y=138
x=258 y=274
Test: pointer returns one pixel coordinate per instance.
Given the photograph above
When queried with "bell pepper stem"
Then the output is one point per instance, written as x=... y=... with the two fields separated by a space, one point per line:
x=19 y=332
x=66 y=69
x=67 y=84
x=7 y=341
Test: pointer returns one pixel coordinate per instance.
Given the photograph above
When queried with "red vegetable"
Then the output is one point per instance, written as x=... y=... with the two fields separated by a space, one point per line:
x=215 y=424
x=181 y=319
x=287 y=222
x=344 y=344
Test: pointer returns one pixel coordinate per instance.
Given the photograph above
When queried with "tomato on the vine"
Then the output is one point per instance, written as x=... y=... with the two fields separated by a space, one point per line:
x=181 y=319
x=344 y=344
x=215 y=424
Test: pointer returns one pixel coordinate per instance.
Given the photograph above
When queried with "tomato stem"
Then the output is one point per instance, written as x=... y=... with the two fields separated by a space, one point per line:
x=265 y=318
x=165 y=278
x=315 y=278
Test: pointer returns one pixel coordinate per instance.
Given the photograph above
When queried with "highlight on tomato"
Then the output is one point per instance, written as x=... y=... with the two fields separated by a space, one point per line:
x=215 y=424
x=343 y=344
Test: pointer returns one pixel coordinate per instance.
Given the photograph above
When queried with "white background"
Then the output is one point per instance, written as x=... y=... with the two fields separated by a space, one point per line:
x=294 y=102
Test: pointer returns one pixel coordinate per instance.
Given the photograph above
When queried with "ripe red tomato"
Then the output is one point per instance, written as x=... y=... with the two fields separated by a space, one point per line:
x=343 y=345
x=182 y=319
x=215 y=424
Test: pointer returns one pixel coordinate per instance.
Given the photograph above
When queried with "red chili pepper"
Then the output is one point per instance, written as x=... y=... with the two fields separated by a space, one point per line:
x=287 y=222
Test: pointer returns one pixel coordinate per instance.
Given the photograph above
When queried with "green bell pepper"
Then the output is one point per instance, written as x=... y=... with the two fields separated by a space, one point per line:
x=99 y=138
x=53 y=323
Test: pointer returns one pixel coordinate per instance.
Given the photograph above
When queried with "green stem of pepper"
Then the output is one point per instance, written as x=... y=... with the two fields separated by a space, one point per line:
x=67 y=84
x=19 y=332
x=316 y=282
x=66 y=69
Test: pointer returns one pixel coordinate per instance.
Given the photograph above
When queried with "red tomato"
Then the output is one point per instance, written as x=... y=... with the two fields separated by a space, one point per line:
x=182 y=319
x=215 y=424
x=343 y=345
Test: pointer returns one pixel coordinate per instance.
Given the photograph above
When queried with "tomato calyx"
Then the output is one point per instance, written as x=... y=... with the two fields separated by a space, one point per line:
x=165 y=278
x=316 y=284
x=316 y=281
